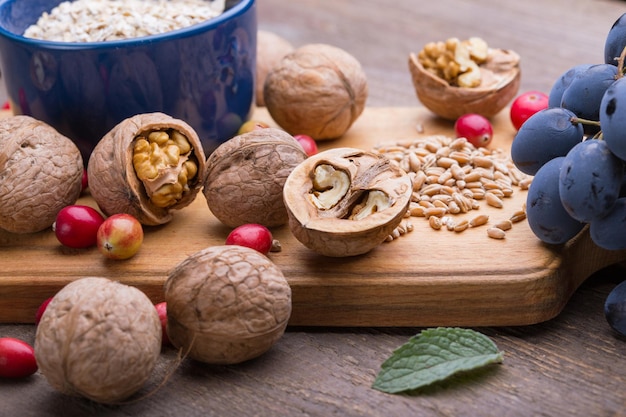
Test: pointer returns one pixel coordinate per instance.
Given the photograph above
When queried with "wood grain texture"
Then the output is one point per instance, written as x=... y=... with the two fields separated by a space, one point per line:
x=571 y=365
x=549 y=369
x=487 y=282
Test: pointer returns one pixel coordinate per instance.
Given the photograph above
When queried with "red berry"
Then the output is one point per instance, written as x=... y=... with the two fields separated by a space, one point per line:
x=17 y=358
x=76 y=226
x=161 y=309
x=120 y=236
x=41 y=310
x=527 y=104
x=251 y=235
x=308 y=144
x=84 y=181
x=475 y=128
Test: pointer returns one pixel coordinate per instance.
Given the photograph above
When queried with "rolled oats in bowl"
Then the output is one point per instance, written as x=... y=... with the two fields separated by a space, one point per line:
x=85 y=84
x=107 y=20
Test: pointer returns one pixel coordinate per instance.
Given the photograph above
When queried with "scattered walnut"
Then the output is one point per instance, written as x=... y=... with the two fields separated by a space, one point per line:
x=245 y=177
x=226 y=304
x=40 y=173
x=345 y=201
x=271 y=48
x=148 y=165
x=318 y=90
x=99 y=339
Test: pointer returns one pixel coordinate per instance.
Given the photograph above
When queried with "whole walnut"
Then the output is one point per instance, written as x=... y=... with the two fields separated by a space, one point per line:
x=317 y=90
x=40 y=173
x=226 y=304
x=245 y=177
x=271 y=48
x=98 y=338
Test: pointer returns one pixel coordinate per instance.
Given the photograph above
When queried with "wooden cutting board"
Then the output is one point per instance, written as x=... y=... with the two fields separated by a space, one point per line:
x=424 y=278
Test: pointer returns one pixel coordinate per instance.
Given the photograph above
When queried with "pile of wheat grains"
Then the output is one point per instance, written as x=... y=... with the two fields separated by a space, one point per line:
x=452 y=177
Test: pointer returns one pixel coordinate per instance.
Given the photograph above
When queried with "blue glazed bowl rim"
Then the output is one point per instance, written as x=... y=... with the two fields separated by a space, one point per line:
x=238 y=9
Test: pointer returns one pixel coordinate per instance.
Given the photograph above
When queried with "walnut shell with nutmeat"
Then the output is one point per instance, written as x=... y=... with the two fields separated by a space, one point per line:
x=147 y=166
x=346 y=201
x=245 y=177
x=500 y=78
x=318 y=90
x=40 y=173
x=226 y=304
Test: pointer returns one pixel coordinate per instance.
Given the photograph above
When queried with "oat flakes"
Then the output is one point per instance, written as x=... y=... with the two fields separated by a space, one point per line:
x=107 y=20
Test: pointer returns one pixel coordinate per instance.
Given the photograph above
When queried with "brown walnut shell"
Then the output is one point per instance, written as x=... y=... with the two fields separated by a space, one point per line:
x=245 y=177
x=113 y=181
x=271 y=48
x=226 y=304
x=99 y=339
x=500 y=81
x=331 y=231
x=317 y=90
x=40 y=173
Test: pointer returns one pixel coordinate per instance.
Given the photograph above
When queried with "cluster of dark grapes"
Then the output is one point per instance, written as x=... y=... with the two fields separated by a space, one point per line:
x=576 y=151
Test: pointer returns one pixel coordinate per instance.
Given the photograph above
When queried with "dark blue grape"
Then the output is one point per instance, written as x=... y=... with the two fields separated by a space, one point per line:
x=546 y=215
x=584 y=94
x=590 y=180
x=615 y=308
x=613 y=117
x=615 y=41
x=609 y=232
x=545 y=135
x=556 y=93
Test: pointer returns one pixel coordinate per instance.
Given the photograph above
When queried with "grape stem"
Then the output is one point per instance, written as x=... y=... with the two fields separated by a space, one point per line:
x=575 y=120
x=620 y=64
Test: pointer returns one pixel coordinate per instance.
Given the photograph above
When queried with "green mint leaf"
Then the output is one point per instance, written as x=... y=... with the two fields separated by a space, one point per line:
x=434 y=355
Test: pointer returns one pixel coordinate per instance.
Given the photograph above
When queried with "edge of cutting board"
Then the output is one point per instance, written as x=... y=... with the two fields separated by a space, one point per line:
x=425 y=278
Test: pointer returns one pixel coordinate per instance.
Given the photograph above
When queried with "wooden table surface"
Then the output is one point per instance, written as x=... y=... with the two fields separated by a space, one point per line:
x=572 y=365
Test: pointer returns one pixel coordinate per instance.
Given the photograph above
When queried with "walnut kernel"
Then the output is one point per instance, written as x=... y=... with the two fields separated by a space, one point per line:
x=455 y=61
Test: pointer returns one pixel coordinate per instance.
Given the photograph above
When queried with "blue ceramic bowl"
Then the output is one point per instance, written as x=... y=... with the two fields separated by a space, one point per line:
x=202 y=74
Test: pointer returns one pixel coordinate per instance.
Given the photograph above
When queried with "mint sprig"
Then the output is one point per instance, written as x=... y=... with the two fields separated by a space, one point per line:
x=434 y=355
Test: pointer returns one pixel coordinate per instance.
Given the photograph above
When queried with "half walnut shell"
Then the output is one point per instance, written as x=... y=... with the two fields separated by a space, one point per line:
x=147 y=166
x=346 y=201
x=500 y=81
